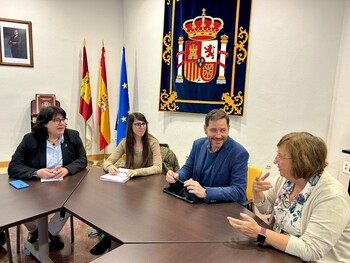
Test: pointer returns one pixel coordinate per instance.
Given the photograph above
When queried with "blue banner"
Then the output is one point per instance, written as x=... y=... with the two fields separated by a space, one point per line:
x=124 y=107
x=204 y=55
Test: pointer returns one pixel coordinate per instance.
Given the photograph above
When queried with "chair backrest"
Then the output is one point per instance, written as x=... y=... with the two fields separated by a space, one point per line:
x=41 y=101
x=252 y=173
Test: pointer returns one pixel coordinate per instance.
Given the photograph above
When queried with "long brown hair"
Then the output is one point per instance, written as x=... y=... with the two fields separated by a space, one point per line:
x=130 y=141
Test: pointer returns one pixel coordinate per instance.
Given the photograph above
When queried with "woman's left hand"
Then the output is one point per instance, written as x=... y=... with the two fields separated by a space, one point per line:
x=131 y=173
x=247 y=226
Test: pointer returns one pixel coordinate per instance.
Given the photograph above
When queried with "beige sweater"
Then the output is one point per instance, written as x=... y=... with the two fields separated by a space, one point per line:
x=155 y=158
x=325 y=220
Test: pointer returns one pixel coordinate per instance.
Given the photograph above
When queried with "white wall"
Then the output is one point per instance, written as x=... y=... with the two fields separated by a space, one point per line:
x=59 y=28
x=297 y=63
x=293 y=60
x=339 y=128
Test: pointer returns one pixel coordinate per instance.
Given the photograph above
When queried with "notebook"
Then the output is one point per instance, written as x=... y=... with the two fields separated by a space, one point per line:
x=19 y=184
x=121 y=177
x=181 y=192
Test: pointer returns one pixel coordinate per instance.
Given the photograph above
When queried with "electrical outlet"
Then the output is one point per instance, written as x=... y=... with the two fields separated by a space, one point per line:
x=113 y=139
x=268 y=166
x=346 y=167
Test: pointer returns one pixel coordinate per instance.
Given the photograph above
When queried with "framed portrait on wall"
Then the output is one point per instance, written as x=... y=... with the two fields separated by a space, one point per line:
x=16 y=43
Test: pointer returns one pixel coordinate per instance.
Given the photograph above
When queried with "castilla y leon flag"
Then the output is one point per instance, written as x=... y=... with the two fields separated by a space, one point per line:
x=103 y=106
x=124 y=106
x=85 y=108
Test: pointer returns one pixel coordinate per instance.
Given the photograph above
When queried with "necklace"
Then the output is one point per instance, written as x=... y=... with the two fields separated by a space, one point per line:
x=53 y=142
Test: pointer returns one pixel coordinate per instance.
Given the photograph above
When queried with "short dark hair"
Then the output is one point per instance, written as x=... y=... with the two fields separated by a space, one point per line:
x=308 y=153
x=216 y=114
x=45 y=115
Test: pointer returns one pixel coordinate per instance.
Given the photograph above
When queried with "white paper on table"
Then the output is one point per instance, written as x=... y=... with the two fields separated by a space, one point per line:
x=121 y=177
x=46 y=180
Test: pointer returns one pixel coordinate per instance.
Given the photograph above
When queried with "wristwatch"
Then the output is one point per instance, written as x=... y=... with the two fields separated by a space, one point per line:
x=261 y=236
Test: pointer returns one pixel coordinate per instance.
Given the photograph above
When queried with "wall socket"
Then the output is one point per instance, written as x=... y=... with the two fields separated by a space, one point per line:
x=346 y=167
x=268 y=166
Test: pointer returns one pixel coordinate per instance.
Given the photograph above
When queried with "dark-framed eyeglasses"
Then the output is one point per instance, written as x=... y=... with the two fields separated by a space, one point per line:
x=140 y=124
x=58 y=120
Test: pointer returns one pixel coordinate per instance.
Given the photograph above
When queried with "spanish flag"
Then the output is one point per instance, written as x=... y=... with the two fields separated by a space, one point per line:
x=85 y=108
x=103 y=106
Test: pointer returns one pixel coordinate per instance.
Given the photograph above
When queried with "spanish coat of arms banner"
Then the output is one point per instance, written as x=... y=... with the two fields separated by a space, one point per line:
x=204 y=55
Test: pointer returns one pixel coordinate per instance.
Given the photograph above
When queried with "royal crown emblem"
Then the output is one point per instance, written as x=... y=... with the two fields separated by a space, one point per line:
x=199 y=58
x=203 y=27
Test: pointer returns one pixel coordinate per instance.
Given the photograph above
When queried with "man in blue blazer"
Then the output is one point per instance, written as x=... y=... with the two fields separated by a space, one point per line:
x=216 y=169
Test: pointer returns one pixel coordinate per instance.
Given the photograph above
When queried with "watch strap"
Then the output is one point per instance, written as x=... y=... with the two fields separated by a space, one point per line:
x=261 y=236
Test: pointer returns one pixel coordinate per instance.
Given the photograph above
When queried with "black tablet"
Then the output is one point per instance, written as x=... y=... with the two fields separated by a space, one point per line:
x=181 y=192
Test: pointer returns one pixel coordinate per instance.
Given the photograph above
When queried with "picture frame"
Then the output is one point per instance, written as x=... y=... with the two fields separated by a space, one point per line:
x=16 y=44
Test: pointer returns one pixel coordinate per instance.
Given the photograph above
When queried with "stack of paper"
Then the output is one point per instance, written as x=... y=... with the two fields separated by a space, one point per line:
x=121 y=177
x=46 y=180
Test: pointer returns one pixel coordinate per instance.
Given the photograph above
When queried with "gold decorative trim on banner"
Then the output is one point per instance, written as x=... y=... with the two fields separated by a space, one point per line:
x=241 y=50
x=168 y=101
x=167 y=53
x=232 y=104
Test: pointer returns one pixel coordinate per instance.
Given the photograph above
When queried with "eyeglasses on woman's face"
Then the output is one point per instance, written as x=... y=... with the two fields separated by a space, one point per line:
x=279 y=157
x=139 y=124
x=58 y=120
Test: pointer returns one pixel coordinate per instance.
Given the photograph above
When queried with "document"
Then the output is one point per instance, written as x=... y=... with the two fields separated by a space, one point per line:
x=121 y=177
x=43 y=180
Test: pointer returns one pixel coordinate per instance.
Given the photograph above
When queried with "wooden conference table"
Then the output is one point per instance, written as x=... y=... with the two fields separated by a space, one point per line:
x=35 y=202
x=153 y=224
x=195 y=252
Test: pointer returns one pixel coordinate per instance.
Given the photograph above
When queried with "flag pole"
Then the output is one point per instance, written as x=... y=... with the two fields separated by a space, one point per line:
x=85 y=135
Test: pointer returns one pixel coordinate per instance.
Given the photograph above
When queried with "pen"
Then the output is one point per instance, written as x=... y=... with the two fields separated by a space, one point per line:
x=177 y=179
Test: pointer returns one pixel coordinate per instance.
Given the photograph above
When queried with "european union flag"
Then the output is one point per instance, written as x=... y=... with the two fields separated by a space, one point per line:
x=124 y=107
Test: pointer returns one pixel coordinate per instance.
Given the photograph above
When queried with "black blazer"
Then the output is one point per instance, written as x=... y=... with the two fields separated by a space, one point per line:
x=30 y=155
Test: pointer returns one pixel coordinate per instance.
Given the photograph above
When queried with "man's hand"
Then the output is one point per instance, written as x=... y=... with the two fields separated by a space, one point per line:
x=195 y=188
x=171 y=177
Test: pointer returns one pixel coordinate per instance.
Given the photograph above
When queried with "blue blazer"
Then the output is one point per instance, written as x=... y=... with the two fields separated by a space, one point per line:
x=228 y=180
x=30 y=155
